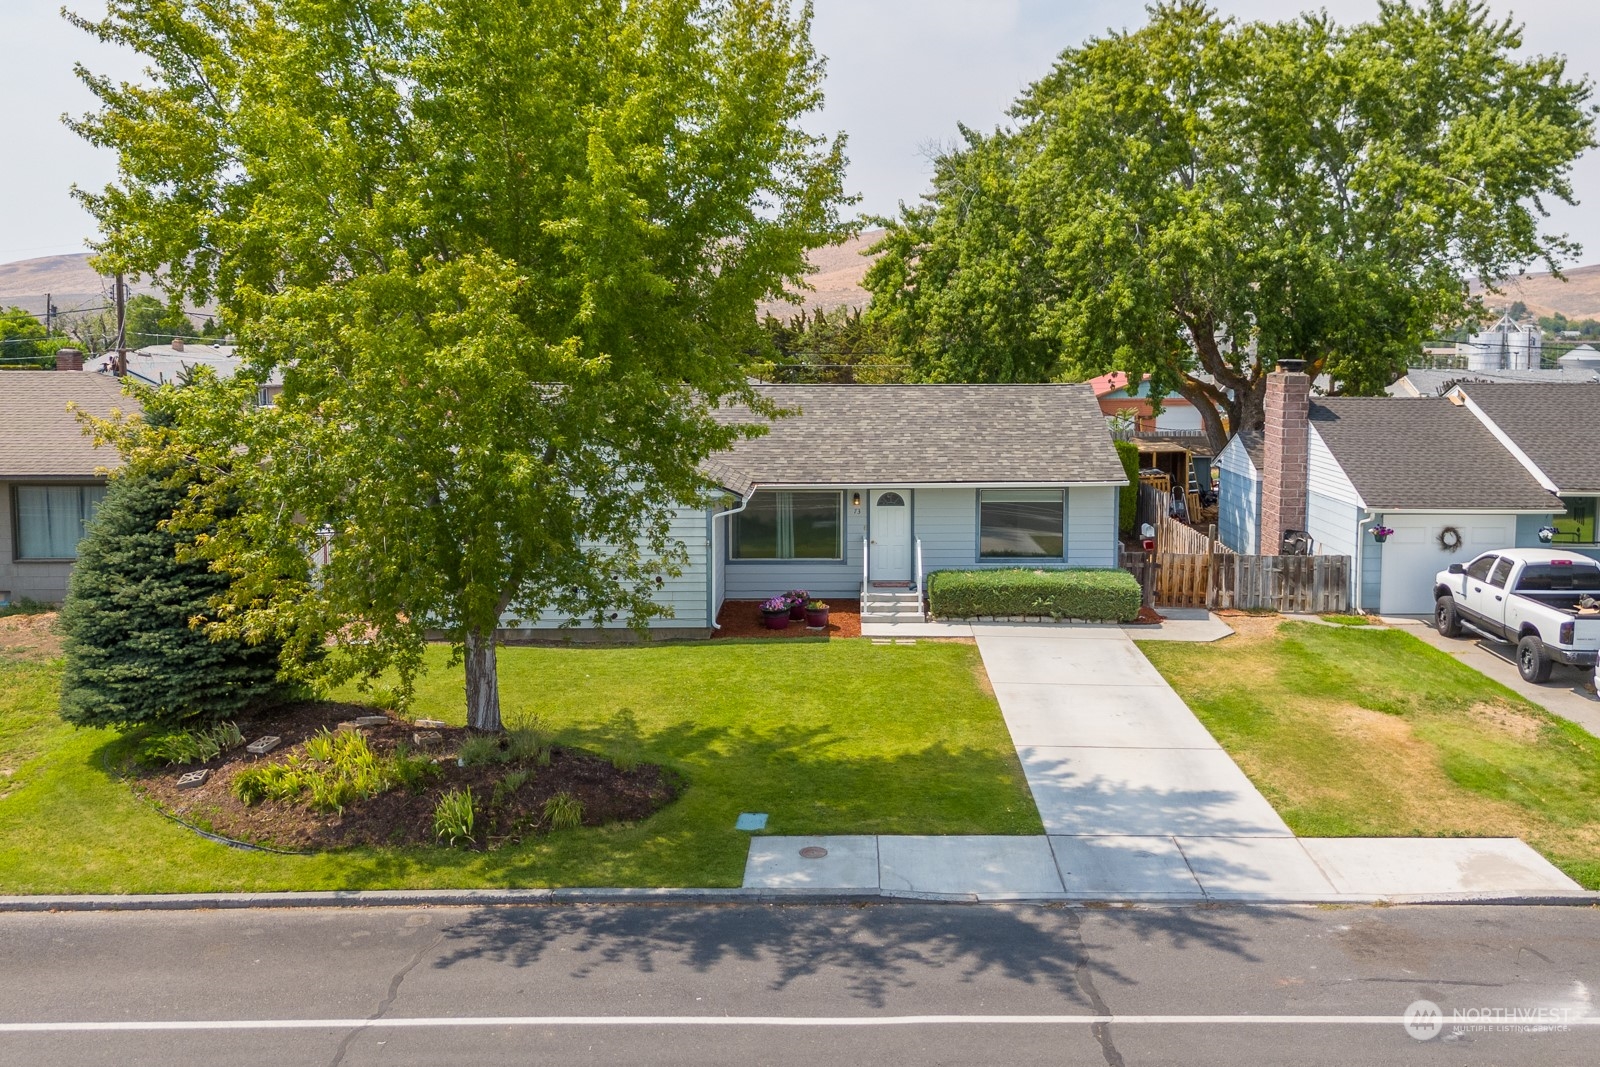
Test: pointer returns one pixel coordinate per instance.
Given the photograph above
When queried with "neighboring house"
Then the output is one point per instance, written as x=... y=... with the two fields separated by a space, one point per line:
x=1338 y=468
x=1435 y=382
x=157 y=365
x=869 y=488
x=48 y=485
x=1114 y=395
x=1549 y=431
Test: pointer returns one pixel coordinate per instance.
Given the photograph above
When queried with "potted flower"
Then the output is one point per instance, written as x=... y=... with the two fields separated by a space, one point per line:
x=775 y=613
x=816 y=615
x=797 y=603
x=1381 y=534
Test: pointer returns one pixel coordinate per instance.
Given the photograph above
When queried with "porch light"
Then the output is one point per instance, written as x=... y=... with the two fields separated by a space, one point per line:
x=855 y=499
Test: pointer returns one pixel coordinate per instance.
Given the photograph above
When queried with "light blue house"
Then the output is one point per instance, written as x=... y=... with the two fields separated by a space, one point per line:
x=1432 y=471
x=867 y=489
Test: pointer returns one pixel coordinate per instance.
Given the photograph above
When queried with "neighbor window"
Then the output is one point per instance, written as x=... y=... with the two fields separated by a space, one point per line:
x=790 y=524
x=51 y=518
x=1021 y=524
x=1577 y=525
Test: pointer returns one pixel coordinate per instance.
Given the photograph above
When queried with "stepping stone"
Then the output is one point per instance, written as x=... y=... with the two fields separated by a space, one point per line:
x=427 y=739
x=262 y=745
x=751 y=820
x=431 y=724
x=194 y=779
x=371 y=720
x=346 y=727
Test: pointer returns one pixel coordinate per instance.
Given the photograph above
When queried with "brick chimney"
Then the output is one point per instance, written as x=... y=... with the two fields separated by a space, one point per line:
x=1288 y=442
x=69 y=359
x=177 y=344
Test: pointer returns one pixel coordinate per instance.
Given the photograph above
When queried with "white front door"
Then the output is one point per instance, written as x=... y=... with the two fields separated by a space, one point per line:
x=889 y=525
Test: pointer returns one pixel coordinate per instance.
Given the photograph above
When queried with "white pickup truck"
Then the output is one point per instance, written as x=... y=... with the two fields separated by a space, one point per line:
x=1529 y=597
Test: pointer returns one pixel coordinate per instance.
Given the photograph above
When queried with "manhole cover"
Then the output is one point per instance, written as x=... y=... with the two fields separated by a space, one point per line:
x=813 y=852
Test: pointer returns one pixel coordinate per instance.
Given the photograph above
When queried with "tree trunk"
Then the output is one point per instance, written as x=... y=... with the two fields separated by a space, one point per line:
x=483 y=683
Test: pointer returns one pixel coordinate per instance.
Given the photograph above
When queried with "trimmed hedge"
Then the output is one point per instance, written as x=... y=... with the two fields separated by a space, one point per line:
x=1098 y=595
x=1128 y=506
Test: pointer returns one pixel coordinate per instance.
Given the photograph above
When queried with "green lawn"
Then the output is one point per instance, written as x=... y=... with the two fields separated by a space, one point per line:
x=1373 y=733
x=826 y=737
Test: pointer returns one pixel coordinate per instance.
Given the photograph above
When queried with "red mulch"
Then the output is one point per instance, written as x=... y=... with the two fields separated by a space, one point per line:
x=400 y=816
x=1148 y=616
x=742 y=618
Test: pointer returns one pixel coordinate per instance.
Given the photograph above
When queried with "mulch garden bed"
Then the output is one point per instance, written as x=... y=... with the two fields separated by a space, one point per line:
x=742 y=618
x=400 y=816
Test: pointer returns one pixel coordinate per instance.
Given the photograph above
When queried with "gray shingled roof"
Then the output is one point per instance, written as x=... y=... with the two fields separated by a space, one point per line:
x=1432 y=382
x=1255 y=446
x=1424 y=454
x=1552 y=424
x=39 y=437
x=922 y=434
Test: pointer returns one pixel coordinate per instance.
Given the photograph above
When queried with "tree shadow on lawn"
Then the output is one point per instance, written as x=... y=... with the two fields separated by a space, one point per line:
x=871 y=951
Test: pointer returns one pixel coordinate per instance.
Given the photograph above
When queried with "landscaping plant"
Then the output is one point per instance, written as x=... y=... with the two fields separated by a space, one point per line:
x=1100 y=595
x=453 y=817
x=564 y=812
x=134 y=654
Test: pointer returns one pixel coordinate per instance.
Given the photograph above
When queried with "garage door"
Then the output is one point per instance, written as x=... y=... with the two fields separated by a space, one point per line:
x=1412 y=556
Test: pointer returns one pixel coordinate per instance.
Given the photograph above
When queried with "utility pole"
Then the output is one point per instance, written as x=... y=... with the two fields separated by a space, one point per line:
x=49 y=311
x=122 y=342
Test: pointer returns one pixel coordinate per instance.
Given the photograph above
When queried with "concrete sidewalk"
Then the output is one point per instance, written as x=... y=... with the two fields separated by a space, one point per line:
x=1138 y=801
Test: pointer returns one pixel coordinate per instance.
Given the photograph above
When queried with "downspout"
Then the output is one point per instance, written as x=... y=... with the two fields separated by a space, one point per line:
x=1361 y=575
x=715 y=626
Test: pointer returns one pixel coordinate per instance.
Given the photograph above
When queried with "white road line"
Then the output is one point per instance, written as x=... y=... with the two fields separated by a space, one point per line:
x=750 y=1020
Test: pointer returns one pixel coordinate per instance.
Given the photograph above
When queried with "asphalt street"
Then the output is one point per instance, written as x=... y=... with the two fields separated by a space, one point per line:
x=885 y=983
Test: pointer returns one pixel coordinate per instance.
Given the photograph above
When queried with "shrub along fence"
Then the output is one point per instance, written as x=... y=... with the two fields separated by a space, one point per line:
x=1091 y=595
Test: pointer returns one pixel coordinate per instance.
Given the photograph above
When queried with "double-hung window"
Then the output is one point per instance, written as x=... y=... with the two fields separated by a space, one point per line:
x=1022 y=524
x=50 y=519
x=790 y=524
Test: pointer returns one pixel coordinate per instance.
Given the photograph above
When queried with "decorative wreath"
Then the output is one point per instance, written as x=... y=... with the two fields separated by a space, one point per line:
x=1450 y=539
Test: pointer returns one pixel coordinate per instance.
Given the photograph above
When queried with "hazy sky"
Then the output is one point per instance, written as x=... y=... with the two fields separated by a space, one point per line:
x=901 y=74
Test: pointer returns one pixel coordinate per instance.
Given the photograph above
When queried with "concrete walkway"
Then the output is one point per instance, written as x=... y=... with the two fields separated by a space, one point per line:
x=1138 y=801
x=1564 y=694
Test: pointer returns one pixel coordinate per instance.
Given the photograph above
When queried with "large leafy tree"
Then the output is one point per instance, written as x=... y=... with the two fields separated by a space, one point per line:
x=505 y=254
x=1198 y=198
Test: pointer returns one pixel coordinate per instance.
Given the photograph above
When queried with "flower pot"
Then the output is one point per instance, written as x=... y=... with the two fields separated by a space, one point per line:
x=776 y=620
x=1380 y=538
x=797 y=612
x=817 y=620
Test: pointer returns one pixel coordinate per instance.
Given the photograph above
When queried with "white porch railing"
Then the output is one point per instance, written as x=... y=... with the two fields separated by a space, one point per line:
x=864 y=563
x=918 y=586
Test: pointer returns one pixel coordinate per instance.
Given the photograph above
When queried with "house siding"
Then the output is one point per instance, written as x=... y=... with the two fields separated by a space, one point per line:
x=1325 y=476
x=685 y=594
x=947 y=522
x=1371 y=571
x=42 y=581
x=1332 y=525
x=1238 y=499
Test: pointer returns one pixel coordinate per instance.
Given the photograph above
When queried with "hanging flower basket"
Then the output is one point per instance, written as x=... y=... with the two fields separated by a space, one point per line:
x=1381 y=534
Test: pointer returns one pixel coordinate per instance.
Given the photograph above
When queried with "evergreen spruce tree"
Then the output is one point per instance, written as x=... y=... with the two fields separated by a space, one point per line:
x=132 y=656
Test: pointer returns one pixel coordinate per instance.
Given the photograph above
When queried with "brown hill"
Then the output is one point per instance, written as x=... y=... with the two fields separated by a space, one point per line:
x=836 y=279
x=72 y=284
x=1578 y=297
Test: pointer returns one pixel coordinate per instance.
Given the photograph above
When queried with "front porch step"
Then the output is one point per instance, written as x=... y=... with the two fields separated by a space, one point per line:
x=910 y=614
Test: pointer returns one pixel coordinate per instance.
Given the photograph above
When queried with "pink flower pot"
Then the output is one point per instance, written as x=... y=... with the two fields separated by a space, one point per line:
x=817 y=620
x=776 y=620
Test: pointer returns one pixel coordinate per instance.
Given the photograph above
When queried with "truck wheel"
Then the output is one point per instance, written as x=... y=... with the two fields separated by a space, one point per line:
x=1445 y=619
x=1532 y=663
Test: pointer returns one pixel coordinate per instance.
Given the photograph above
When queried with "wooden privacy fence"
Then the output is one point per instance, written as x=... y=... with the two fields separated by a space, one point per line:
x=1172 y=535
x=1301 y=584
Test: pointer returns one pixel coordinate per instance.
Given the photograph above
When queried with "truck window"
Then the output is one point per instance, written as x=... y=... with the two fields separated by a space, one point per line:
x=1552 y=577
x=1480 y=567
x=1502 y=571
